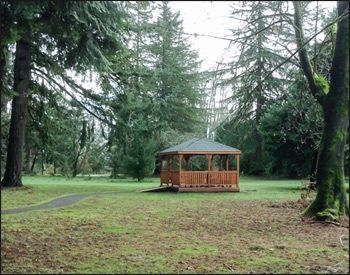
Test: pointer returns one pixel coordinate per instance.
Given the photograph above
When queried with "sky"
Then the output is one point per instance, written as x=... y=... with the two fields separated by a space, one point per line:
x=211 y=18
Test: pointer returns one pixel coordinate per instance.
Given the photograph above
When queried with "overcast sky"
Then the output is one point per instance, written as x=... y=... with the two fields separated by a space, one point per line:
x=211 y=18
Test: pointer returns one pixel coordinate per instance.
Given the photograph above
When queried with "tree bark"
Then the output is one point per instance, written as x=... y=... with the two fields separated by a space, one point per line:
x=22 y=71
x=75 y=165
x=34 y=160
x=313 y=170
x=28 y=155
x=331 y=199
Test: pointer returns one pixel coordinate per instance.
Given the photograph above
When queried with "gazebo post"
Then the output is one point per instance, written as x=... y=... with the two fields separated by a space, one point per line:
x=161 y=169
x=226 y=162
x=172 y=169
x=220 y=163
x=167 y=168
x=180 y=160
x=237 y=161
x=187 y=157
x=209 y=159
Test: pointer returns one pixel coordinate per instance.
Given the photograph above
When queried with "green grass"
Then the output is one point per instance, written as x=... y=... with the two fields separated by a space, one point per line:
x=45 y=188
x=246 y=232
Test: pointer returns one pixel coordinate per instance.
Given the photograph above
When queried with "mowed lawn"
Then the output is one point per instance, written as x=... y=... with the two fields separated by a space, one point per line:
x=258 y=230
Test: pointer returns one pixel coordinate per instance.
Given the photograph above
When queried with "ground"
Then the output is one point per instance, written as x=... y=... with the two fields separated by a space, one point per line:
x=175 y=233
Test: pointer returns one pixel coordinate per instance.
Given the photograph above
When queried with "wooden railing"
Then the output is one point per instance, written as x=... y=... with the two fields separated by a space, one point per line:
x=200 y=178
x=164 y=177
x=223 y=178
x=194 y=178
x=174 y=177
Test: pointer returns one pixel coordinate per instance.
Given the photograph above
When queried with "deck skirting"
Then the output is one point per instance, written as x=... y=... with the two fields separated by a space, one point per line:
x=205 y=189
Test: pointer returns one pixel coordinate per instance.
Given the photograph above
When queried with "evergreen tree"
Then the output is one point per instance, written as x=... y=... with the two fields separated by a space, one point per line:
x=257 y=34
x=178 y=93
x=52 y=37
x=160 y=83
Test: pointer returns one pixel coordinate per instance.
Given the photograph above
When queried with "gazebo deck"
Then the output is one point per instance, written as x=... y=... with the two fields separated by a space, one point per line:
x=224 y=180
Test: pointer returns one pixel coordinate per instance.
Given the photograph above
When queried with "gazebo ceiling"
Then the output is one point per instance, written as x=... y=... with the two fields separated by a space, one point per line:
x=200 y=146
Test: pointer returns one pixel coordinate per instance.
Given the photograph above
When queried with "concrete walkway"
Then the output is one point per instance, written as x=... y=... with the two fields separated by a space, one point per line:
x=60 y=202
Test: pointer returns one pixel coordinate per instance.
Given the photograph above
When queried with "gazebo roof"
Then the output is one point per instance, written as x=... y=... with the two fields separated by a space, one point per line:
x=201 y=145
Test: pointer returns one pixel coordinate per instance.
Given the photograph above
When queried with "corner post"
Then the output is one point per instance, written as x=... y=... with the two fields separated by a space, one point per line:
x=167 y=169
x=172 y=170
x=161 y=169
x=187 y=157
x=180 y=160
x=237 y=161
x=209 y=160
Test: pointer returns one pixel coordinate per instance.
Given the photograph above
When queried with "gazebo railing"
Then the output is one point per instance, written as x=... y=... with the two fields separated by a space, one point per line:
x=200 y=178
x=194 y=178
x=164 y=177
x=223 y=178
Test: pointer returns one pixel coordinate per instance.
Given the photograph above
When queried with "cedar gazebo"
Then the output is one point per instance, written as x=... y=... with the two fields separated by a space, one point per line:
x=223 y=179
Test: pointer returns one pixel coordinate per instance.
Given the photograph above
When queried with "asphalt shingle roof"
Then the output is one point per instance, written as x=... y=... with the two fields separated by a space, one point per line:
x=200 y=145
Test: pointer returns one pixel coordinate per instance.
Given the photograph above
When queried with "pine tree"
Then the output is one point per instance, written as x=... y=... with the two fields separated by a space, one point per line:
x=178 y=92
x=46 y=48
x=259 y=30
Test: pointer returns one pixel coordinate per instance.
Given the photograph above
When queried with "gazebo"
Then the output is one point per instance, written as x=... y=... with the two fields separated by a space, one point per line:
x=221 y=178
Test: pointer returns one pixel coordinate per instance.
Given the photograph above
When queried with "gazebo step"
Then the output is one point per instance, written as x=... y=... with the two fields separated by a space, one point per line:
x=156 y=189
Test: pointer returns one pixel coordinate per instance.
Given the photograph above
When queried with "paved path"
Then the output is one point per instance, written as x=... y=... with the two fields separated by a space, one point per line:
x=60 y=202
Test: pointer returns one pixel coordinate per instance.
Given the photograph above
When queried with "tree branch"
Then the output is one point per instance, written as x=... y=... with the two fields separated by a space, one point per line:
x=51 y=79
x=304 y=59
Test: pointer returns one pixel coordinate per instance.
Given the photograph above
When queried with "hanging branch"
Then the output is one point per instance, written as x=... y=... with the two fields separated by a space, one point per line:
x=51 y=80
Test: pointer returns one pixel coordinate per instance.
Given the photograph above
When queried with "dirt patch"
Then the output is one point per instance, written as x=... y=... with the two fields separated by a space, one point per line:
x=21 y=188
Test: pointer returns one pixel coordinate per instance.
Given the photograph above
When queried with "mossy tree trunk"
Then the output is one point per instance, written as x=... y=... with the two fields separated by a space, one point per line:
x=22 y=70
x=331 y=199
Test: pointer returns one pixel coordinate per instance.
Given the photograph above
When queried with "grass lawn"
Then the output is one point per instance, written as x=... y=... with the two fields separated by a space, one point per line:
x=258 y=230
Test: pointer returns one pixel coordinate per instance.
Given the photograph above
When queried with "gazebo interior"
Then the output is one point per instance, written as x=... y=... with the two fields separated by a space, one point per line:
x=179 y=171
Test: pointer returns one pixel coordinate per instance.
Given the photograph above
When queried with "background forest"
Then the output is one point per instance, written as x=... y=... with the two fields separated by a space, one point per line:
x=113 y=83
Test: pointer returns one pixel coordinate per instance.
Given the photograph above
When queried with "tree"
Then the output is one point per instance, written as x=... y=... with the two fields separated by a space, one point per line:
x=290 y=131
x=177 y=94
x=331 y=200
x=257 y=38
x=139 y=161
x=52 y=37
x=160 y=83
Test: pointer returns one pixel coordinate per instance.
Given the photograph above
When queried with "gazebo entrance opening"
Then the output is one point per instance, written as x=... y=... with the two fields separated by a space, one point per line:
x=179 y=170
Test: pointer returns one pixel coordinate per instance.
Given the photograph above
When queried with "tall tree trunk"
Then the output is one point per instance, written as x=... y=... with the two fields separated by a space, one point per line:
x=4 y=103
x=313 y=169
x=75 y=165
x=27 y=149
x=42 y=162
x=13 y=171
x=331 y=194
x=34 y=160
